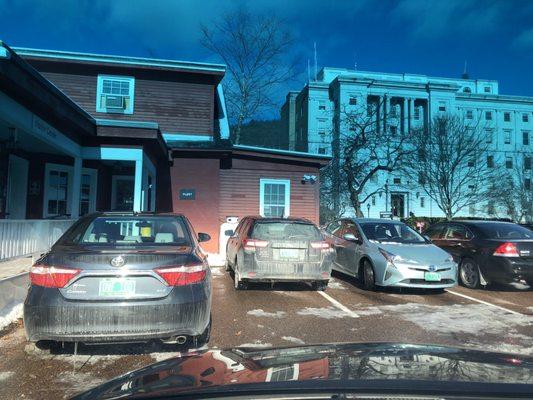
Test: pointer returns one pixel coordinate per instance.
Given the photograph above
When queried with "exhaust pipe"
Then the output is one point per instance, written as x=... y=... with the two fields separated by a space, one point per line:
x=181 y=339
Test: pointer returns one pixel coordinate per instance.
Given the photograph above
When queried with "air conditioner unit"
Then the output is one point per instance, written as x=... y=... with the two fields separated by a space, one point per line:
x=115 y=103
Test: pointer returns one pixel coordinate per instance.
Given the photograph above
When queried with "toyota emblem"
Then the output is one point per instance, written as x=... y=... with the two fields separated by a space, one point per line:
x=117 y=261
x=432 y=268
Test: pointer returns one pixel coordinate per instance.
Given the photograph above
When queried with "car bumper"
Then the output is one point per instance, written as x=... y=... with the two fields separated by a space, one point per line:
x=49 y=316
x=507 y=269
x=268 y=271
x=408 y=276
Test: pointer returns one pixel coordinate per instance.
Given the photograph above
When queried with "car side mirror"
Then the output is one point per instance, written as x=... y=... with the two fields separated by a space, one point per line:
x=229 y=232
x=350 y=237
x=203 y=237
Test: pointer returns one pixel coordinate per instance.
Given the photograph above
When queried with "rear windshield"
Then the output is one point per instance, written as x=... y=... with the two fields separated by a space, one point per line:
x=285 y=230
x=132 y=231
x=391 y=232
x=505 y=231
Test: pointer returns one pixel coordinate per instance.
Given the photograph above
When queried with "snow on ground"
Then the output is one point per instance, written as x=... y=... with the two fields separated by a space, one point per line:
x=324 y=312
x=293 y=339
x=10 y=314
x=256 y=343
x=77 y=381
x=335 y=284
x=5 y=375
x=260 y=313
x=217 y=271
x=215 y=260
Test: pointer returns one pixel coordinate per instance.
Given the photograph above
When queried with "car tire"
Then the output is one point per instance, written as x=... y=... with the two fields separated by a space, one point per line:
x=320 y=286
x=202 y=339
x=469 y=275
x=227 y=265
x=237 y=282
x=368 y=278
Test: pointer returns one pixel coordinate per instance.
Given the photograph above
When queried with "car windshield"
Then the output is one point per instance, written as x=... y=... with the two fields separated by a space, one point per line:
x=285 y=230
x=505 y=231
x=391 y=232
x=132 y=231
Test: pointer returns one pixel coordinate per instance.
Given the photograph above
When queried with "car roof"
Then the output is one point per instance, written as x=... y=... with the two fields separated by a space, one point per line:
x=374 y=220
x=476 y=222
x=259 y=218
x=134 y=214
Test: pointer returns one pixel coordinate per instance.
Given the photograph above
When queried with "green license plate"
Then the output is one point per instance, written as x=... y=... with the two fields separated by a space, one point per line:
x=432 y=276
x=115 y=287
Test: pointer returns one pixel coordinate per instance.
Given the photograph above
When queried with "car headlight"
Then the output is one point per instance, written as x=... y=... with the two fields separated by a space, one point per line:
x=449 y=259
x=391 y=258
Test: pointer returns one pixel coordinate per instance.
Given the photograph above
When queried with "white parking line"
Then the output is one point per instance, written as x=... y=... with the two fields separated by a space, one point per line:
x=484 y=302
x=338 y=305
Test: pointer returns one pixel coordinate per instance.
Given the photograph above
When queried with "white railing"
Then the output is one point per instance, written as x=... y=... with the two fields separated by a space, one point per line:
x=24 y=237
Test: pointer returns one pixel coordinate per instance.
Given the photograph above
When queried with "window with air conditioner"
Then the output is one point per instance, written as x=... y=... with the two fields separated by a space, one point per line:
x=115 y=94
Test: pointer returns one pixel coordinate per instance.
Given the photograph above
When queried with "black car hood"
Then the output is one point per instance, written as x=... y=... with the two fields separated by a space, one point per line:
x=332 y=367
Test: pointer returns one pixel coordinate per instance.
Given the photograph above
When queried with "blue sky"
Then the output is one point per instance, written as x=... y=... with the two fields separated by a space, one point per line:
x=425 y=37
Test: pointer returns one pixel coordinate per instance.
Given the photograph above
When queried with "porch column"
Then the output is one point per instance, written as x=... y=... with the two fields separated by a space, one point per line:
x=76 y=189
x=411 y=112
x=379 y=112
x=386 y=112
x=405 y=117
x=138 y=188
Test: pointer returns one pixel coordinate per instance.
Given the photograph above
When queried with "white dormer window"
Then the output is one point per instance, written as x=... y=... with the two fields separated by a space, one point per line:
x=115 y=94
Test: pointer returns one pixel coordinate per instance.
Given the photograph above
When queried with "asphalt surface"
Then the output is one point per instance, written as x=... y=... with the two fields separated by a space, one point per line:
x=499 y=319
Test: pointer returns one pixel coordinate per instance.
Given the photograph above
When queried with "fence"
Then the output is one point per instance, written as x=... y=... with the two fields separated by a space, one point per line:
x=23 y=237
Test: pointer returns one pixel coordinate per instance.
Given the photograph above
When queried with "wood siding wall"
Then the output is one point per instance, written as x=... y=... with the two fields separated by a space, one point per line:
x=178 y=107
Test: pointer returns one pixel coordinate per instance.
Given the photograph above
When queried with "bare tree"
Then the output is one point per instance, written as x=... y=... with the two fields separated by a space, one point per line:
x=453 y=164
x=514 y=192
x=255 y=50
x=369 y=142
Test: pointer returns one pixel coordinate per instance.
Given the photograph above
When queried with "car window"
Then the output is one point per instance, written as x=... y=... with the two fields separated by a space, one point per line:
x=391 y=232
x=435 y=231
x=285 y=230
x=504 y=231
x=351 y=228
x=332 y=227
x=457 y=232
x=132 y=231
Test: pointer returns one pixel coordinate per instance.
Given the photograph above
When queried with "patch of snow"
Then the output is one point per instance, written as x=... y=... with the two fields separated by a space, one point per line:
x=215 y=260
x=324 y=312
x=5 y=375
x=368 y=311
x=256 y=343
x=335 y=284
x=164 y=355
x=10 y=314
x=217 y=271
x=260 y=313
x=76 y=381
x=293 y=339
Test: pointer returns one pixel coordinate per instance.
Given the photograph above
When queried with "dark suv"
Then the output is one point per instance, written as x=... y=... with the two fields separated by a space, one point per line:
x=487 y=251
x=278 y=250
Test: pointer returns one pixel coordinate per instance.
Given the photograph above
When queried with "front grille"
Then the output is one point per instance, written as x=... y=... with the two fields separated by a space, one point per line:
x=426 y=269
x=424 y=282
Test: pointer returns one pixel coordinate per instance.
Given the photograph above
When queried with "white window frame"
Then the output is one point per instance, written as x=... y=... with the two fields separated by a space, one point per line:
x=60 y=168
x=99 y=87
x=286 y=182
x=93 y=173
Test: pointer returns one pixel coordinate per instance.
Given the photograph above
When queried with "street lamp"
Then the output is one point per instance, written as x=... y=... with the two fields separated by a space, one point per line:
x=368 y=210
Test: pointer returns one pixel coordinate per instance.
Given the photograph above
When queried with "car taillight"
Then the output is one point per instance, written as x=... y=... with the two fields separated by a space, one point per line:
x=252 y=244
x=320 y=245
x=507 y=249
x=183 y=274
x=51 y=276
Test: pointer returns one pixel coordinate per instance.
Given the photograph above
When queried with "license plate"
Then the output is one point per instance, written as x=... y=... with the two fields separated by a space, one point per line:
x=114 y=287
x=432 y=276
x=289 y=253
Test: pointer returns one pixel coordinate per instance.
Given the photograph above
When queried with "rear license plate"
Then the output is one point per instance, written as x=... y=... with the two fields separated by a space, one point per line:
x=432 y=276
x=289 y=253
x=114 y=287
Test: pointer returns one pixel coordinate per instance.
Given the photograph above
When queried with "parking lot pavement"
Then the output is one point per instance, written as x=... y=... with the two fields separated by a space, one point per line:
x=281 y=316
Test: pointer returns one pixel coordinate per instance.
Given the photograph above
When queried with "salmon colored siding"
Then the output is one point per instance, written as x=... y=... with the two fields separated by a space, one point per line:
x=178 y=107
x=202 y=176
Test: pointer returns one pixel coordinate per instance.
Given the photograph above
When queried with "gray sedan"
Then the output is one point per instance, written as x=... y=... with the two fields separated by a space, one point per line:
x=383 y=252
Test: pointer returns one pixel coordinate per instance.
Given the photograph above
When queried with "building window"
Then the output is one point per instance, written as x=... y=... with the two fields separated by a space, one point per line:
x=282 y=374
x=417 y=113
x=422 y=202
x=507 y=117
x=321 y=127
x=321 y=150
x=353 y=127
x=508 y=162
x=88 y=191
x=525 y=138
x=487 y=89
x=373 y=200
x=488 y=115
x=322 y=105
x=397 y=181
x=353 y=101
x=527 y=163
x=471 y=162
x=488 y=135
x=469 y=114
x=442 y=106
x=490 y=161
x=393 y=130
x=421 y=178
x=467 y=90
x=527 y=184
x=56 y=190
x=507 y=136
x=274 y=197
x=115 y=94
x=525 y=117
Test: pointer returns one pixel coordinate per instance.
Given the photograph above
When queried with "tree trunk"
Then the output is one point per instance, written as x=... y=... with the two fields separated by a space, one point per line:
x=356 y=205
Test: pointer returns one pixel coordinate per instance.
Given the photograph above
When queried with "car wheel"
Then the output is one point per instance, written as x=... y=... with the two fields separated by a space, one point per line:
x=237 y=282
x=469 y=274
x=369 y=280
x=320 y=285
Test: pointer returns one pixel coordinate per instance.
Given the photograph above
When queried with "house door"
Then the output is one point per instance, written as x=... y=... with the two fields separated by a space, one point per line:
x=122 y=193
x=17 y=186
x=397 y=201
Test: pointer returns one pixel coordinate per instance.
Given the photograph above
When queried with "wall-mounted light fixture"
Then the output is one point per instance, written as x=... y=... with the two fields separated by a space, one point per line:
x=311 y=179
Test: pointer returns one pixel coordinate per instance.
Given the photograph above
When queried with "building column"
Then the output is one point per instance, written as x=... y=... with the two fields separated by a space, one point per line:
x=427 y=121
x=405 y=116
x=411 y=113
x=76 y=189
x=138 y=188
x=379 y=112
x=386 y=112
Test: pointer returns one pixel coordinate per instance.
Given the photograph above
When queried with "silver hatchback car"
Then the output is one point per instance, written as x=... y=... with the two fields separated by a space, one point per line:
x=383 y=252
